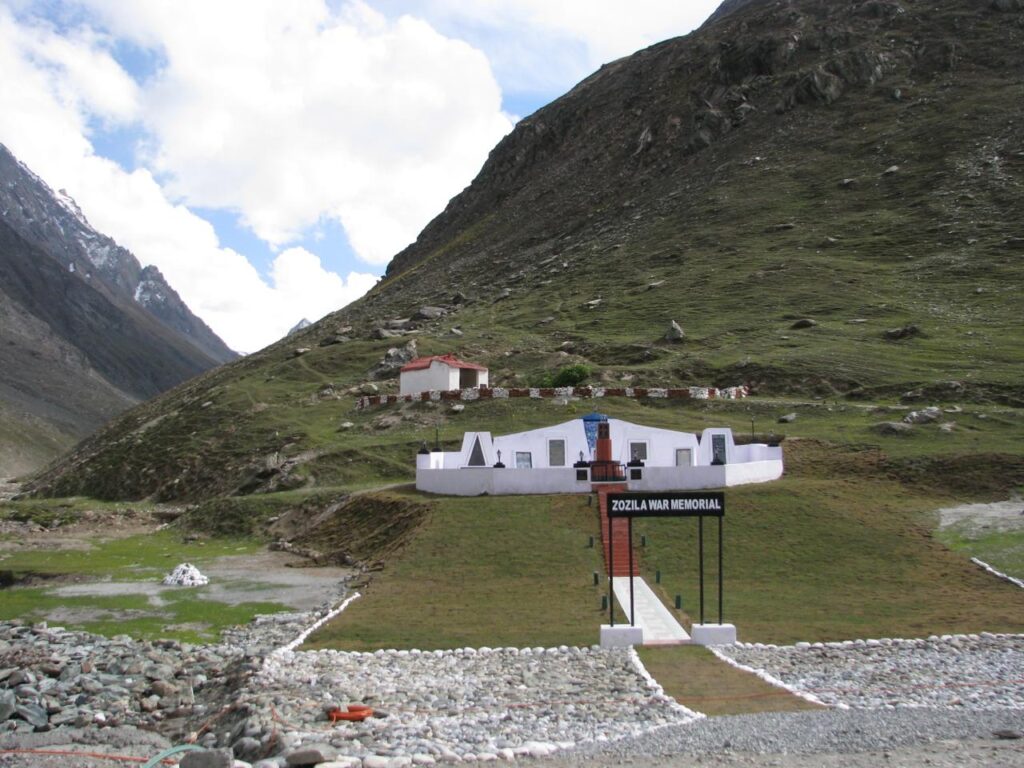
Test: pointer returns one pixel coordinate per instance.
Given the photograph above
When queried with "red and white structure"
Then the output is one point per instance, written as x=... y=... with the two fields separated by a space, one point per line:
x=440 y=373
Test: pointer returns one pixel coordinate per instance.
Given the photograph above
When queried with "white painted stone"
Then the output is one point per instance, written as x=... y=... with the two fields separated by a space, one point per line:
x=713 y=634
x=621 y=636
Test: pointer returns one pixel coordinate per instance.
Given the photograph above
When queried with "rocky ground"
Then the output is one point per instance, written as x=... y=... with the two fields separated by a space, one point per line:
x=937 y=701
x=963 y=671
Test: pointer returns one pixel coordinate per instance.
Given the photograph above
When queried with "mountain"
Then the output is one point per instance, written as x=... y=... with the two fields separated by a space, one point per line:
x=299 y=326
x=826 y=197
x=87 y=330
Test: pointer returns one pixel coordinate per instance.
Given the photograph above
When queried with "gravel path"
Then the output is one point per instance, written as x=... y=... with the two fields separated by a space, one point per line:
x=807 y=738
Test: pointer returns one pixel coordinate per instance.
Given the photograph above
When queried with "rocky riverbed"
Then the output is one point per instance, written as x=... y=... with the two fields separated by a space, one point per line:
x=254 y=698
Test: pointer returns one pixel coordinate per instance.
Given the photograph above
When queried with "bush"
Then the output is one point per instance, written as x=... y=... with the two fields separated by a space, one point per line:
x=570 y=376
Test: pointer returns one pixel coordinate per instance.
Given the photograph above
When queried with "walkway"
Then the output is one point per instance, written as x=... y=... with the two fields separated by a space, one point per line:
x=659 y=625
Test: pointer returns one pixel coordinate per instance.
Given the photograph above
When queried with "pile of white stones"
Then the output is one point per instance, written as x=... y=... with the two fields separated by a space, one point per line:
x=185 y=575
x=982 y=671
x=451 y=706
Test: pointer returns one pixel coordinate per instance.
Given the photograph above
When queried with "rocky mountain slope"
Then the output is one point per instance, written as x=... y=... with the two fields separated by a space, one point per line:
x=87 y=330
x=825 y=197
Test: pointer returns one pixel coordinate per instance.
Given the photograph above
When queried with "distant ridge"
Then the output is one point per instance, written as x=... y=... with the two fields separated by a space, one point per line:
x=87 y=331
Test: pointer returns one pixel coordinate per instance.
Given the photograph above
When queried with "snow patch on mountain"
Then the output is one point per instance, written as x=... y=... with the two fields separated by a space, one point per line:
x=148 y=292
x=303 y=323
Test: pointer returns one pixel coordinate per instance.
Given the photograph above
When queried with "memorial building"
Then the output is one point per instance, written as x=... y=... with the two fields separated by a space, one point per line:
x=564 y=458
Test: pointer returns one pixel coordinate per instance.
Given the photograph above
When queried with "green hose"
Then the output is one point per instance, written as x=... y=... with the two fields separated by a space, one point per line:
x=155 y=761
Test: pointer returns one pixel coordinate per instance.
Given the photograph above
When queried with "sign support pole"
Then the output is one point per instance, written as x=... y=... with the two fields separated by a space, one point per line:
x=720 y=574
x=611 y=571
x=700 y=561
x=632 y=603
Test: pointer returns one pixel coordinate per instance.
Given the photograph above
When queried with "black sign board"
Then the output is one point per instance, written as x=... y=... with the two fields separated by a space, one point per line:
x=669 y=504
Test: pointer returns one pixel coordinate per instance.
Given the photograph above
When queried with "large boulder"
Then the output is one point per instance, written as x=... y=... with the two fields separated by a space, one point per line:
x=675 y=332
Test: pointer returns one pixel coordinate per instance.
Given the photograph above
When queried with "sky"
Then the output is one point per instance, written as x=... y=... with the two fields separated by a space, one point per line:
x=271 y=157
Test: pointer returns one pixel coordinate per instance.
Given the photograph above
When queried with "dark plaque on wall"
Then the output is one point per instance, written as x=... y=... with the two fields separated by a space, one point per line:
x=717 y=449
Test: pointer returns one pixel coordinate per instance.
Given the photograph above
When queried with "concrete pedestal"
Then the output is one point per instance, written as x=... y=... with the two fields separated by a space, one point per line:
x=621 y=636
x=713 y=634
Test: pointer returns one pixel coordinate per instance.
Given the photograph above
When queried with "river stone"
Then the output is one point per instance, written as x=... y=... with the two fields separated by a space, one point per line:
x=247 y=748
x=32 y=714
x=163 y=689
x=311 y=754
x=207 y=758
x=6 y=704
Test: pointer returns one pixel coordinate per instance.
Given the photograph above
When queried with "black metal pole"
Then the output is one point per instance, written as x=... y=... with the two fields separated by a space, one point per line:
x=700 y=561
x=611 y=569
x=720 y=576
x=632 y=606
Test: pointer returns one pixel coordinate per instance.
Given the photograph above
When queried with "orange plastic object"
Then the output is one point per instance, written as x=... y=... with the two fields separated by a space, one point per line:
x=356 y=712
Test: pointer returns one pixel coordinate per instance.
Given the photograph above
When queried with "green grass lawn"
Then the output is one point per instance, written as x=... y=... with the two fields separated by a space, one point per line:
x=696 y=679
x=805 y=559
x=1003 y=550
x=499 y=571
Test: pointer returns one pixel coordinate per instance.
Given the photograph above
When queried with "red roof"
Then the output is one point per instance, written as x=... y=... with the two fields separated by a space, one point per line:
x=421 y=363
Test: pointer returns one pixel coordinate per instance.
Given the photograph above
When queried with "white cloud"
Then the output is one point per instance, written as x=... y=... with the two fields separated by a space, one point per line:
x=44 y=111
x=283 y=112
x=288 y=112
x=543 y=46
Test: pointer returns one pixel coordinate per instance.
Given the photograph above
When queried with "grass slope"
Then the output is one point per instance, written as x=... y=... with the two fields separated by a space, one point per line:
x=513 y=571
x=806 y=559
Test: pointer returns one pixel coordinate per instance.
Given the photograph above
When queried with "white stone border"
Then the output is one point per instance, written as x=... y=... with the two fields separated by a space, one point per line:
x=875 y=642
x=284 y=649
x=771 y=679
x=998 y=574
x=558 y=393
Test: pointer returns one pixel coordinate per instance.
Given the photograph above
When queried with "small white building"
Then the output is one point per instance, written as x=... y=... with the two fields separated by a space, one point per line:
x=556 y=460
x=440 y=373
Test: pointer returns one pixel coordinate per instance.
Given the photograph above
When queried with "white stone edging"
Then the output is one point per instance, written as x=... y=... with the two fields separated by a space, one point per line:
x=882 y=641
x=998 y=574
x=313 y=627
x=772 y=680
